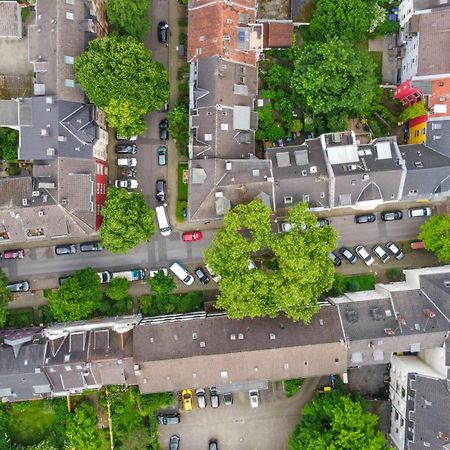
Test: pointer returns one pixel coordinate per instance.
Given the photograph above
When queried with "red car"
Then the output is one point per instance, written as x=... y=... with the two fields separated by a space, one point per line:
x=14 y=254
x=192 y=236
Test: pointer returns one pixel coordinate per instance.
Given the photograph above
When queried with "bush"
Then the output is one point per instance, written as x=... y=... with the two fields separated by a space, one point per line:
x=19 y=318
x=394 y=274
x=291 y=387
x=179 y=127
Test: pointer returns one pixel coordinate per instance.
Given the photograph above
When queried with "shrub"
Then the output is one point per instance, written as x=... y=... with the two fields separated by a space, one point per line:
x=291 y=387
x=394 y=274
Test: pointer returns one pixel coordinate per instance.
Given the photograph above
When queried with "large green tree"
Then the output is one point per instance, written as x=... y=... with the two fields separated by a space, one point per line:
x=77 y=298
x=127 y=220
x=333 y=78
x=344 y=19
x=129 y=17
x=335 y=421
x=82 y=431
x=119 y=75
x=4 y=298
x=179 y=126
x=435 y=233
x=295 y=267
x=9 y=144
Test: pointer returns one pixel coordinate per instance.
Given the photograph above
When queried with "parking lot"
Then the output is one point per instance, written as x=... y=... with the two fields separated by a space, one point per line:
x=239 y=426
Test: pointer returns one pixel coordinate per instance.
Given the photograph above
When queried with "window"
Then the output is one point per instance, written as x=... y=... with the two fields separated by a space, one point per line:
x=424 y=130
x=436 y=126
x=199 y=51
x=322 y=195
x=70 y=2
x=417 y=133
x=412 y=192
x=437 y=137
x=68 y=59
x=442 y=99
x=69 y=83
x=69 y=15
x=288 y=199
x=441 y=83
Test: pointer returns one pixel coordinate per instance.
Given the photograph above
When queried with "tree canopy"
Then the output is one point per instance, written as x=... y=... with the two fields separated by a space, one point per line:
x=127 y=220
x=82 y=431
x=129 y=17
x=415 y=110
x=435 y=233
x=334 y=421
x=179 y=127
x=77 y=298
x=9 y=144
x=295 y=268
x=345 y=19
x=4 y=298
x=119 y=75
x=332 y=78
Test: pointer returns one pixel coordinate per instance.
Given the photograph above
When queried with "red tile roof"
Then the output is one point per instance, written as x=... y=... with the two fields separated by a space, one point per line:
x=440 y=98
x=278 y=34
x=208 y=24
x=418 y=121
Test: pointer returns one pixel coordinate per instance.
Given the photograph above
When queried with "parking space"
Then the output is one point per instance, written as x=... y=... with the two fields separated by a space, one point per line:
x=239 y=426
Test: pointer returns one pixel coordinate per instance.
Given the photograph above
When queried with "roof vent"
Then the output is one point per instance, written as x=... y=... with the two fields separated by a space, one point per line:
x=232 y=337
x=41 y=213
x=304 y=173
x=194 y=336
x=272 y=336
x=64 y=201
x=313 y=169
x=62 y=138
x=418 y=164
x=255 y=172
x=35 y=193
x=321 y=322
x=389 y=331
x=240 y=336
x=228 y=165
x=49 y=100
x=24 y=202
x=44 y=132
x=202 y=344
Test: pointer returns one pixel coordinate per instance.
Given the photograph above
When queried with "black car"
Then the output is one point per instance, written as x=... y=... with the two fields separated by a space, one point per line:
x=168 y=418
x=174 y=443
x=336 y=260
x=213 y=445
x=127 y=149
x=228 y=398
x=161 y=190
x=321 y=222
x=163 y=31
x=91 y=247
x=165 y=108
x=348 y=255
x=164 y=130
x=201 y=275
x=387 y=216
x=365 y=218
x=68 y=249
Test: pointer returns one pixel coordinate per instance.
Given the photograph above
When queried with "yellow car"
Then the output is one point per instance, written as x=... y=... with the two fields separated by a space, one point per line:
x=187 y=399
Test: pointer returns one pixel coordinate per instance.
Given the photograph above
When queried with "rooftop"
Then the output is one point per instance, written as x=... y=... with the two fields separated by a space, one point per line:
x=277 y=33
x=10 y=20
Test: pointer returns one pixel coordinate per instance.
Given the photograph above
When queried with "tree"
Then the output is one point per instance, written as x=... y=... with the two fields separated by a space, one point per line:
x=333 y=78
x=335 y=421
x=118 y=288
x=129 y=17
x=415 y=110
x=179 y=127
x=345 y=19
x=161 y=284
x=82 y=431
x=127 y=220
x=435 y=234
x=77 y=298
x=299 y=270
x=9 y=144
x=4 y=298
x=119 y=75
x=120 y=301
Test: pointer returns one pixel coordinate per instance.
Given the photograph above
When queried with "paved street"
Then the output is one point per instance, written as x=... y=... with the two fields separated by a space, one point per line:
x=240 y=427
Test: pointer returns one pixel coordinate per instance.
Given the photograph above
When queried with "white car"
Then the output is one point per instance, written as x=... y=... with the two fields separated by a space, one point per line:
x=127 y=184
x=105 y=277
x=254 y=398
x=127 y=162
x=153 y=272
x=419 y=212
x=395 y=250
x=364 y=255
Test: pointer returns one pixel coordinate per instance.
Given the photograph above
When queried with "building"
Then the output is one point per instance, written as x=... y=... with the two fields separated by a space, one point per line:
x=10 y=20
x=408 y=8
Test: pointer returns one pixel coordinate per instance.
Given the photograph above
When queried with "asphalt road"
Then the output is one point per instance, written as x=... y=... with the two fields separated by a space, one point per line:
x=41 y=267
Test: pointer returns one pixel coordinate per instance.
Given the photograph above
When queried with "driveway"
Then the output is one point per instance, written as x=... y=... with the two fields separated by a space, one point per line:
x=239 y=426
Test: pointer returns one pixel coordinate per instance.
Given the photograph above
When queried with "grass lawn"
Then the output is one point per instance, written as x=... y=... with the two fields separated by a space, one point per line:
x=182 y=187
x=19 y=318
x=31 y=422
x=357 y=283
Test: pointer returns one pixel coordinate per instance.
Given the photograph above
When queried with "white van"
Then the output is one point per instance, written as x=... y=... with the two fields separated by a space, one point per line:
x=182 y=273
x=163 y=221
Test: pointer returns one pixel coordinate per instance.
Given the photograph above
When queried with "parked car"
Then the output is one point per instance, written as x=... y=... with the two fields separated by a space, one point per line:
x=228 y=398
x=364 y=255
x=286 y=226
x=62 y=279
x=126 y=184
x=165 y=108
x=163 y=31
x=162 y=156
x=153 y=272
x=68 y=249
x=105 y=277
x=164 y=130
x=201 y=397
x=126 y=149
x=168 y=418
x=387 y=216
x=91 y=247
x=201 y=275
x=14 y=254
x=127 y=162
x=348 y=255
x=213 y=445
x=395 y=250
x=187 y=399
x=254 y=398
x=19 y=286
x=321 y=221
x=419 y=212
x=174 y=442
x=214 y=396
x=190 y=236
x=161 y=190
x=336 y=260
x=379 y=251
x=365 y=218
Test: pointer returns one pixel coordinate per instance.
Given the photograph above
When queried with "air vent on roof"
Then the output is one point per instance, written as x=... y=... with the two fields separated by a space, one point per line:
x=226 y=37
x=35 y=193
x=64 y=201
x=50 y=151
x=365 y=176
x=202 y=344
x=41 y=213
x=313 y=169
x=255 y=172
x=352 y=167
x=418 y=164
x=44 y=132
x=232 y=337
x=272 y=336
x=240 y=336
x=24 y=202
x=389 y=331
x=304 y=173
x=194 y=336
x=62 y=138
